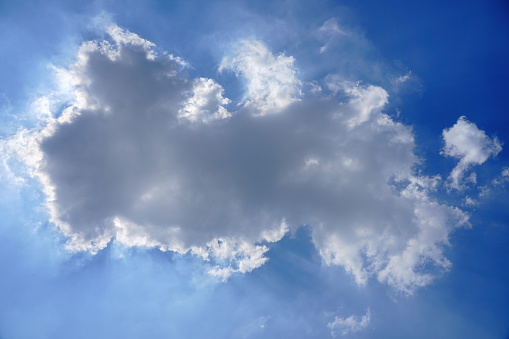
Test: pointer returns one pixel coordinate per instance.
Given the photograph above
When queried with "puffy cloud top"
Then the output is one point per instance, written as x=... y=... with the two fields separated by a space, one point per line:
x=272 y=82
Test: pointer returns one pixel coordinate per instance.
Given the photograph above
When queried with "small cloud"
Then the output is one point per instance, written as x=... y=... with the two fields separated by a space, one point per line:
x=242 y=256
x=470 y=145
x=403 y=78
x=405 y=83
x=470 y=202
x=351 y=324
x=502 y=178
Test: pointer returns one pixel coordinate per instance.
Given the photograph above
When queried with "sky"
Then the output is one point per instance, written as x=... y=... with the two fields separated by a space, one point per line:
x=254 y=169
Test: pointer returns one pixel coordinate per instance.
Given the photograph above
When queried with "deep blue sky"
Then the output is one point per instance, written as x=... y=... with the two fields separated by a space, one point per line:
x=457 y=56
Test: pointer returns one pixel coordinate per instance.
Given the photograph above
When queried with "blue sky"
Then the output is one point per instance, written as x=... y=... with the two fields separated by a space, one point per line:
x=242 y=169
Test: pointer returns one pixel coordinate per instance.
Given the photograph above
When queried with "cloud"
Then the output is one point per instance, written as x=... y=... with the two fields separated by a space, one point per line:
x=331 y=27
x=146 y=157
x=205 y=102
x=272 y=82
x=502 y=178
x=365 y=101
x=402 y=78
x=328 y=32
x=351 y=324
x=470 y=145
x=470 y=202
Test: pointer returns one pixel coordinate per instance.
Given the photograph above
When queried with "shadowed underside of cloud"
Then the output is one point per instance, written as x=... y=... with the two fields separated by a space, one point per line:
x=147 y=157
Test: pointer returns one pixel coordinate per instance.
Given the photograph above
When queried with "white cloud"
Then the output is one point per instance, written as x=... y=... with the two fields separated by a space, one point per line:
x=272 y=82
x=365 y=101
x=205 y=102
x=350 y=324
x=122 y=38
x=500 y=179
x=402 y=78
x=470 y=202
x=124 y=162
x=274 y=235
x=470 y=145
x=245 y=255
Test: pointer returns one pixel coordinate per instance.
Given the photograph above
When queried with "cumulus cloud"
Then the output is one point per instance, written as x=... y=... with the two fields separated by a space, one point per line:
x=205 y=102
x=466 y=142
x=350 y=324
x=147 y=157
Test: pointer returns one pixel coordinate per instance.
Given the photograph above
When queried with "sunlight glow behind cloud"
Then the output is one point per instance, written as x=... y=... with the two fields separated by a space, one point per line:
x=147 y=157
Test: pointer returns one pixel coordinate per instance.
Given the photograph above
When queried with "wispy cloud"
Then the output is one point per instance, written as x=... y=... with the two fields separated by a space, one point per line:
x=349 y=324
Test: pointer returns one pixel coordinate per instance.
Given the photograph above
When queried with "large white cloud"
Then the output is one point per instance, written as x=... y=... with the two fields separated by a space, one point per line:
x=147 y=157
